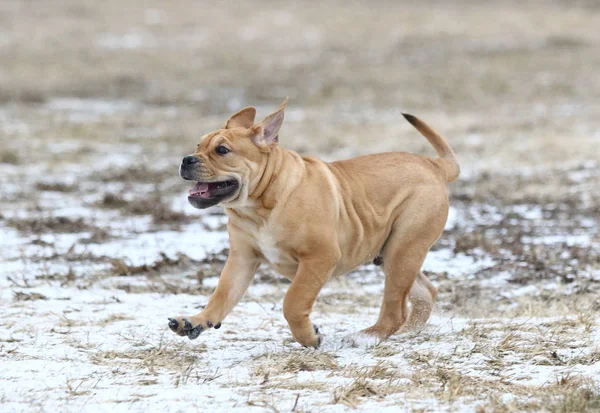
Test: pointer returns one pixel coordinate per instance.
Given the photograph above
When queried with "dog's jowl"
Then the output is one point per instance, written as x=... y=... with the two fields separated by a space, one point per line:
x=312 y=220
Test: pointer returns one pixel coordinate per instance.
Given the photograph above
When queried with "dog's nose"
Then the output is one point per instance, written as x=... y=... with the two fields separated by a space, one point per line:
x=189 y=160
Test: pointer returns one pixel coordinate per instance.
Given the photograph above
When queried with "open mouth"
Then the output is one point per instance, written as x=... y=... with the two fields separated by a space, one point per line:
x=205 y=194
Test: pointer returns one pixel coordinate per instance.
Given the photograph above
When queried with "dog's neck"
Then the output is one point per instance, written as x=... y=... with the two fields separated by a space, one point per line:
x=282 y=171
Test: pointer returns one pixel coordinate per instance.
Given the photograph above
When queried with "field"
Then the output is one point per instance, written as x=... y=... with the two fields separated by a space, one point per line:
x=99 y=101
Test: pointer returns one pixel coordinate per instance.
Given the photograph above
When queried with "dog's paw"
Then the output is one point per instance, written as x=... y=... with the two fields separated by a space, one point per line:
x=190 y=326
x=361 y=340
x=314 y=341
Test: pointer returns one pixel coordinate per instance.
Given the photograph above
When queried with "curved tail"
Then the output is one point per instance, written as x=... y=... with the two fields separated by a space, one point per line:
x=447 y=159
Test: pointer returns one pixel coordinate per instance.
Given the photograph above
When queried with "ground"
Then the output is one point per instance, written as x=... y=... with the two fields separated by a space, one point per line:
x=99 y=101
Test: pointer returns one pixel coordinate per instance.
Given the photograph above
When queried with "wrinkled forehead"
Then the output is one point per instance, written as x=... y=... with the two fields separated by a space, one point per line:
x=212 y=139
x=222 y=136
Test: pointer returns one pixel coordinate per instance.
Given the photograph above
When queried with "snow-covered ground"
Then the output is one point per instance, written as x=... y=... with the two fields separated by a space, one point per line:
x=84 y=324
x=100 y=347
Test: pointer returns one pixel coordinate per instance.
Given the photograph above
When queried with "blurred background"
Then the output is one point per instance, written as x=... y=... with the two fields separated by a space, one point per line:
x=511 y=82
x=100 y=100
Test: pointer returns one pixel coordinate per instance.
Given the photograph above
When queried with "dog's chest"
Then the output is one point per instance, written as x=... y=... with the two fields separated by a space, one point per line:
x=267 y=244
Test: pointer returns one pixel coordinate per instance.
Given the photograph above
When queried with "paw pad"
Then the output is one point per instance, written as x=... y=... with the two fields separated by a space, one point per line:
x=191 y=331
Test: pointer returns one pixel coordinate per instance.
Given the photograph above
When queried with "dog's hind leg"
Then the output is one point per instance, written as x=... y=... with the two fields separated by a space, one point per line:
x=422 y=295
x=412 y=235
x=402 y=264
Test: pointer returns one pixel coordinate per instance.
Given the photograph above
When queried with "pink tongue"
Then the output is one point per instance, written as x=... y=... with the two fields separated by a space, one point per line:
x=200 y=189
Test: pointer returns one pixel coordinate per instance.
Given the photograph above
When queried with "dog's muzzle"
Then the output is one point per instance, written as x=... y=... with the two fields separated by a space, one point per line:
x=206 y=192
x=187 y=163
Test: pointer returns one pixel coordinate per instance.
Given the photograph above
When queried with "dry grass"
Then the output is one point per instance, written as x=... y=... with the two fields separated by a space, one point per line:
x=382 y=370
x=383 y=350
x=50 y=224
x=350 y=395
x=140 y=174
x=98 y=236
x=153 y=204
x=156 y=271
x=9 y=156
x=172 y=355
x=361 y=388
x=569 y=394
x=121 y=268
x=55 y=187
x=111 y=200
x=115 y=318
x=273 y=364
x=21 y=296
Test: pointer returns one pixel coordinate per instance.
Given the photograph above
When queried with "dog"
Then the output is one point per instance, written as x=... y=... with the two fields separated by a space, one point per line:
x=313 y=220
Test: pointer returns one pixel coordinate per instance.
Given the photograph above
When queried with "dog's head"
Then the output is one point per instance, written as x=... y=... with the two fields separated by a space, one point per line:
x=228 y=162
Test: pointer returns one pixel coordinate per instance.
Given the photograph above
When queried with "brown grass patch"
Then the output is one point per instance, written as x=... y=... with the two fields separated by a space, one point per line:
x=21 y=296
x=50 y=224
x=449 y=385
x=111 y=200
x=207 y=267
x=382 y=370
x=272 y=364
x=175 y=356
x=567 y=394
x=136 y=174
x=360 y=388
x=98 y=236
x=114 y=318
x=120 y=267
x=9 y=156
x=164 y=215
x=383 y=350
x=154 y=204
x=55 y=187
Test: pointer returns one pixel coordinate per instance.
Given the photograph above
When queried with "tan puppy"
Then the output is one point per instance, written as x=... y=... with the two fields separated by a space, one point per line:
x=313 y=220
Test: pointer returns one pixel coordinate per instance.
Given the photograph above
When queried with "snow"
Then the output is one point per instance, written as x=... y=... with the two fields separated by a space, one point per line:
x=90 y=348
x=101 y=342
x=64 y=353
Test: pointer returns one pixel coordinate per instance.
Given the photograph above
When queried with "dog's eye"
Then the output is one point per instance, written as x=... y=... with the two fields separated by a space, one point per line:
x=222 y=150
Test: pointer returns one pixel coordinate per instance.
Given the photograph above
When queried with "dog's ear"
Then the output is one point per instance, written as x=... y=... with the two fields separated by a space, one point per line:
x=265 y=134
x=244 y=118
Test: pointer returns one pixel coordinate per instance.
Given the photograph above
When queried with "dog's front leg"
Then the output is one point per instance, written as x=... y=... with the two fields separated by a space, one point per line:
x=235 y=279
x=312 y=274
